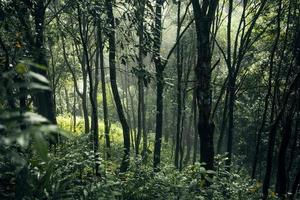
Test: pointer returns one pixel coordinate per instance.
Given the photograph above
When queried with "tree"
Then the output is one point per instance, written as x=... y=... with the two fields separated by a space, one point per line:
x=179 y=91
x=159 y=67
x=204 y=16
x=43 y=100
x=114 y=87
x=141 y=79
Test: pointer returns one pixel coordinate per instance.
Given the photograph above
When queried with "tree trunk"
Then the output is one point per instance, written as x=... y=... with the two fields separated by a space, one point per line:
x=159 y=84
x=83 y=109
x=231 y=85
x=272 y=133
x=281 y=184
x=203 y=23
x=74 y=111
x=194 y=109
x=103 y=87
x=67 y=100
x=43 y=99
x=112 y=71
x=132 y=125
x=189 y=139
x=223 y=124
x=145 y=139
x=179 y=93
x=231 y=88
x=141 y=75
x=94 y=128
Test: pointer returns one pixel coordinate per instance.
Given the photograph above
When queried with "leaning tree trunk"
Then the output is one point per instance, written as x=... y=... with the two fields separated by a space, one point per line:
x=113 y=81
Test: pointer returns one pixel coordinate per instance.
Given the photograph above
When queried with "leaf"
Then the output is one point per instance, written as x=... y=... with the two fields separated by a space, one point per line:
x=210 y=172
x=85 y=192
x=40 y=146
x=39 y=77
x=34 y=118
x=38 y=66
x=22 y=140
x=39 y=86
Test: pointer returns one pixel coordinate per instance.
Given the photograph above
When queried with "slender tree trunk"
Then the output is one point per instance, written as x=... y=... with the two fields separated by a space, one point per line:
x=104 y=94
x=141 y=75
x=159 y=84
x=293 y=147
x=194 y=109
x=145 y=137
x=139 y=123
x=74 y=111
x=83 y=109
x=281 y=184
x=94 y=128
x=231 y=82
x=179 y=92
x=223 y=124
x=133 y=125
x=67 y=100
x=231 y=88
x=189 y=139
x=112 y=70
x=272 y=133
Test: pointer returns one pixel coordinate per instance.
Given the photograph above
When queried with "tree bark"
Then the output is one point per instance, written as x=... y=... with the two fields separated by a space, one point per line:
x=112 y=71
x=231 y=88
x=196 y=135
x=104 y=94
x=281 y=183
x=273 y=130
x=203 y=21
x=43 y=99
x=179 y=92
x=223 y=124
x=159 y=67
x=141 y=75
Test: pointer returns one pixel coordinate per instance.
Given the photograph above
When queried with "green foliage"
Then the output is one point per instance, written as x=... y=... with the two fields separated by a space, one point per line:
x=24 y=136
x=66 y=122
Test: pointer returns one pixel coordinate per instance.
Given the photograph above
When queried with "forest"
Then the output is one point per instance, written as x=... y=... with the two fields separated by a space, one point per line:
x=150 y=99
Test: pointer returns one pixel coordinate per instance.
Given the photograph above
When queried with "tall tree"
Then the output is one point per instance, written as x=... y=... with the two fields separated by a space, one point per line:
x=275 y=124
x=204 y=16
x=114 y=86
x=43 y=100
x=179 y=91
x=103 y=87
x=141 y=76
x=159 y=67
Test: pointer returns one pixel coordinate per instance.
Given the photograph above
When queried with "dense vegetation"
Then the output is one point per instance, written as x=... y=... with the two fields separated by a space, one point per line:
x=149 y=99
